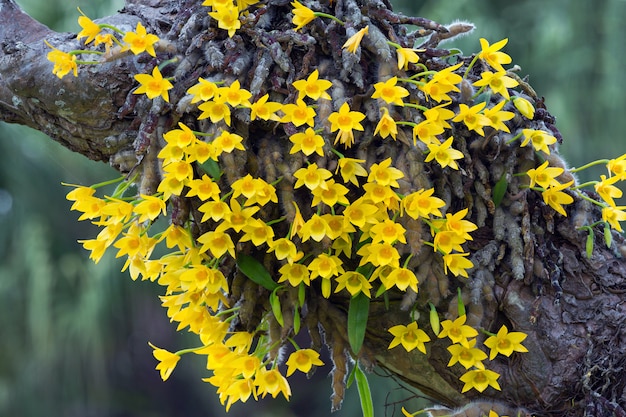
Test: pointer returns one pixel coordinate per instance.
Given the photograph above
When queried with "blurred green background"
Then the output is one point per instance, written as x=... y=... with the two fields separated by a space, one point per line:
x=73 y=338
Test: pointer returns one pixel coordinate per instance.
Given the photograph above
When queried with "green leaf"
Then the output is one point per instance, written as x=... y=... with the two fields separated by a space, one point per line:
x=589 y=244
x=212 y=168
x=130 y=191
x=365 y=395
x=296 y=320
x=366 y=270
x=255 y=270
x=122 y=188
x=454 y=51
x=350 y=379
x=483 y=97
x=608 y=237
x=380 y=291
x=357 y=320
x=301 y=294
x=278 y=312
x=459 y=302
x=499 y=190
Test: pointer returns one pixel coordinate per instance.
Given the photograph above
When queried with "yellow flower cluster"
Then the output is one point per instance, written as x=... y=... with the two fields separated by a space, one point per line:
x=373 y=213
x=358 y=215
x=227 y=13
x=196 y=289
x=545 y=178
x=608 y=191
x=103 y=34
x=463 y=349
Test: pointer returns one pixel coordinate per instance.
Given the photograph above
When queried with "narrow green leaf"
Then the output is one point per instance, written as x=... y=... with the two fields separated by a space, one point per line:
x=608 y=237
x=380 y=291
x=453 y=51
x=589 y=244
x=366 y=270
x=350 y=379
x=365 y=395
x=278 y=312
x=121 y=189
x=485 y=96
x=459 y=302
x=301 y=294
x=130 y=191
x=357 y=320
x=296 y=320
x=255 y=270
x=499 y=190
x=212 y=168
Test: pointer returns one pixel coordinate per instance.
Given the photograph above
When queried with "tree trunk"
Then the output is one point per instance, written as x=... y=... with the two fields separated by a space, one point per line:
x=531 y=268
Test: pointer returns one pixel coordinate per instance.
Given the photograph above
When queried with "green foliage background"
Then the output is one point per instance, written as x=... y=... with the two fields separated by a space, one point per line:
x=73 y=338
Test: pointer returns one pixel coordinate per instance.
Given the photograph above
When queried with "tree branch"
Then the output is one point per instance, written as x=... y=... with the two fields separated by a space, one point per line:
x=80 y=113
x=530 y=272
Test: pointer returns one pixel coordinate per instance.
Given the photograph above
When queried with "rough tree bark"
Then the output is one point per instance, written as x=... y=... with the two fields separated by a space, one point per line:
x=531 y=269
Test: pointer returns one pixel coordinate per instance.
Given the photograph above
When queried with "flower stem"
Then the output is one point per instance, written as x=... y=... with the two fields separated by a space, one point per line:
x=329 y=16
x=188 y=350
x=516 y=137
x=166 y=63
x=412 y=81
x=336 y=152
x=85 y=51
x=271 y=222
x=590 y=164
x=109 y=182
x=488 y=333
x=416 y=106
x=469 y=67
x=591 y=200
x=590 y=227
x=480 y=90
x=113 y=28
x=225 y=312
x=406 y=262
x=293 y=342
x=586 y=184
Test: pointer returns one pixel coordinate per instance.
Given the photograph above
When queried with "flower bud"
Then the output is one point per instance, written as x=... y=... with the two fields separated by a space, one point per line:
x=525 y=107
x=434 y=320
